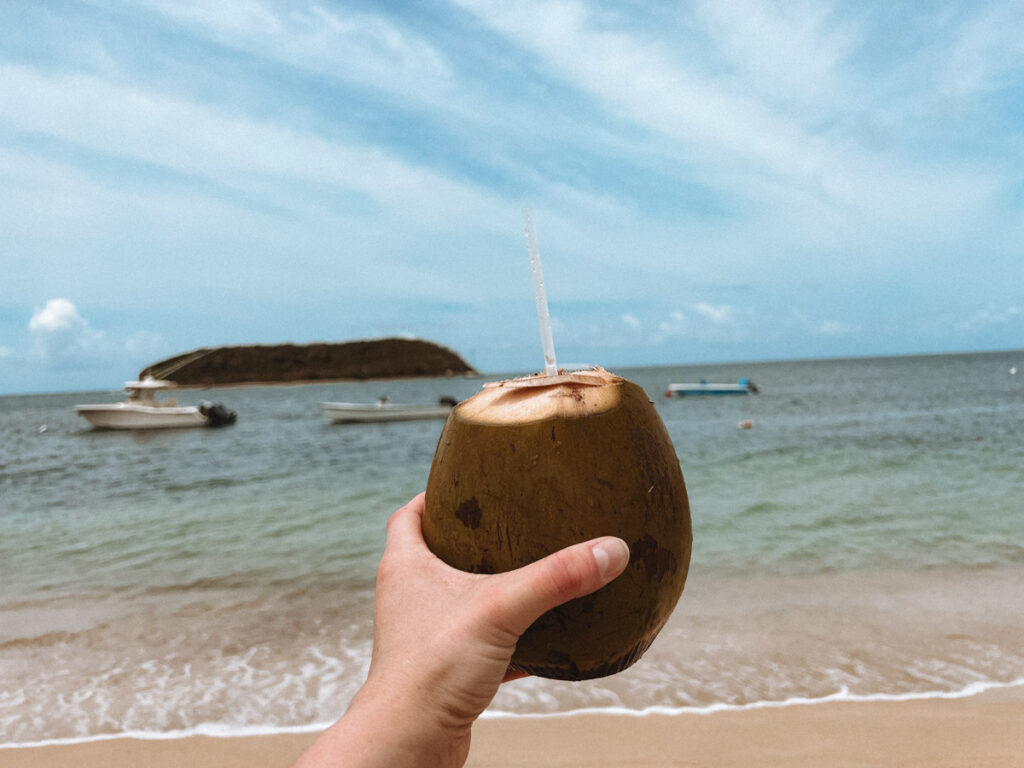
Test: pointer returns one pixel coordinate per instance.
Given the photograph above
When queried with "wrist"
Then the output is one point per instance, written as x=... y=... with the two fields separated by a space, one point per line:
x=384 y=727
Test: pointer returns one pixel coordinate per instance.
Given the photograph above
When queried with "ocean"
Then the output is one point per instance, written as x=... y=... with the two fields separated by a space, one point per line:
x=863 y=540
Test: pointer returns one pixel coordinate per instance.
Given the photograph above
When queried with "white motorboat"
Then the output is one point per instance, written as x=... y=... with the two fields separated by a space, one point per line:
x=142 y=410
x=363 y=413
x=742 y=387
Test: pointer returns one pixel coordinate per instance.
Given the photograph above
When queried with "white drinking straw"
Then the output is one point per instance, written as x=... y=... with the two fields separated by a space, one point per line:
x=543 y=318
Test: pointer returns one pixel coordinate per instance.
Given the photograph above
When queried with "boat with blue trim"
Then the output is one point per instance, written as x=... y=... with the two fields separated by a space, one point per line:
x=741 y=387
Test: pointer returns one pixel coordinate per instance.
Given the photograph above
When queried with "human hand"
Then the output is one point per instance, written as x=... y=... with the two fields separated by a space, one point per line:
x=443 y=639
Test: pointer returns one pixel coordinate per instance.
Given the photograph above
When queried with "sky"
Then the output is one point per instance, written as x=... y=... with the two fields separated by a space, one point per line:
x=716 y=180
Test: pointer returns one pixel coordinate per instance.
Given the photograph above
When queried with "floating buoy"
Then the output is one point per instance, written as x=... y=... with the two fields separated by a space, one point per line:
x=1013 y=371
x=746 y=424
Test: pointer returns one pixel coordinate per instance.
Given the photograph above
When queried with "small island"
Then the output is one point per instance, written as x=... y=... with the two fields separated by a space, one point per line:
x=388 y=358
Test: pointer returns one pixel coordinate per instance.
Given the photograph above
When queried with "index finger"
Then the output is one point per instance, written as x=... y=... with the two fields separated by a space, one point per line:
x=406 y=523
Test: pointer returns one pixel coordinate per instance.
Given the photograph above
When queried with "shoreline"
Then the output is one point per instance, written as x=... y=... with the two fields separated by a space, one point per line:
x=980 y=729
x=1013 y=690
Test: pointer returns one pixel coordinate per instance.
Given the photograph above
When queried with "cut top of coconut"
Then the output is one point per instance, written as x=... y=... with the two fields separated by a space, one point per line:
x=593 y=377
x=540 y=397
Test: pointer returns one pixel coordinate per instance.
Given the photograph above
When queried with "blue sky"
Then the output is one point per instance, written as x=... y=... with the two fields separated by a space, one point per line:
x=710 y=180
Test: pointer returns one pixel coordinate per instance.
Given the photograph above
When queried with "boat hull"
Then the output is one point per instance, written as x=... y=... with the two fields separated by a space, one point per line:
x=706 y=391
x=132 y=416
x=355 y=413
x=704 y=388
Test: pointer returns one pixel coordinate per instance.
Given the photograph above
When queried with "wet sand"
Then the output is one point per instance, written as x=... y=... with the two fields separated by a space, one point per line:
x=983 y=730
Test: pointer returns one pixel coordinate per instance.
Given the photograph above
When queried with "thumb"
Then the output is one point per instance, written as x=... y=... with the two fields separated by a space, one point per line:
x=569 y=573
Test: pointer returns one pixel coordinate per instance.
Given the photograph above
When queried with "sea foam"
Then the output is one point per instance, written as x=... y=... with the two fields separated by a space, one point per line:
x=224 y=730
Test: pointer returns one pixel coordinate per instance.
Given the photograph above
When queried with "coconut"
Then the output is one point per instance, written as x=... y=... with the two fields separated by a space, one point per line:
x=529 y=466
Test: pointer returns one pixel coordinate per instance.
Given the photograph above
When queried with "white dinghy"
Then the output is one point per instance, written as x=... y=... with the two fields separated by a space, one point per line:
x=363 y=413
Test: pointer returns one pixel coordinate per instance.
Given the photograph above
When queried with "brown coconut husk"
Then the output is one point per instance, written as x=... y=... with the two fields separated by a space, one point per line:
x=529 y=466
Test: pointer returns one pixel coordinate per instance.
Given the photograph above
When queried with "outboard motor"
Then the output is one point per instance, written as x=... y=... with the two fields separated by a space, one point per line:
x=217 y=415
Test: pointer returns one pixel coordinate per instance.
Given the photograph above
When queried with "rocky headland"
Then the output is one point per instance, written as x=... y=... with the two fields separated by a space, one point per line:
x=285 y=363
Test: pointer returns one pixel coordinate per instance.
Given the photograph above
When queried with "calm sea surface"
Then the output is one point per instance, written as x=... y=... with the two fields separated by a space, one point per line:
x=864 y=539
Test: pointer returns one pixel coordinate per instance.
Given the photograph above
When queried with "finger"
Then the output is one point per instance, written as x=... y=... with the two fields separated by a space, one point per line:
x=569 y=573
x=406 y=524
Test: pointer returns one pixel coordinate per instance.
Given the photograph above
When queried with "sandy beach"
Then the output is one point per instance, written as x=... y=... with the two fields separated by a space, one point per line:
x=983 y=730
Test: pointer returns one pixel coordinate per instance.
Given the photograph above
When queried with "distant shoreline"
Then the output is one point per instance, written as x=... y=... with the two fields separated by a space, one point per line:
x=513 y=371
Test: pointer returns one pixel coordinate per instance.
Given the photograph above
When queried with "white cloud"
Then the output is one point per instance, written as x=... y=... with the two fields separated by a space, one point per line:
x=145 y=343
x=251 y=155
x=989 y=316
x=677 y=324
x=805 y=324
x=792 y=167
x=833 y=328
x=987 y=56
x=6 y=352
x=340 y=43
x=639 y=78
x=63 y=337
x=631 y=321
x=704 y=321
x=790 y=50
x=719 y=315
x=57 y=315
x=266 y=177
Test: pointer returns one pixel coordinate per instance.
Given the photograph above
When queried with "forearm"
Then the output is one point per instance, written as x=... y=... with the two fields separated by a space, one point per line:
x=380 y=731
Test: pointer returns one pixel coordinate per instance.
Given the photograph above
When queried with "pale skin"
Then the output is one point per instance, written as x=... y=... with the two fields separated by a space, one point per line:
x=442 y=642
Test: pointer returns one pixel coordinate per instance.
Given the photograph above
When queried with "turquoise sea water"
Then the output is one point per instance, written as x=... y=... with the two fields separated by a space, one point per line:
x=865 y=538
